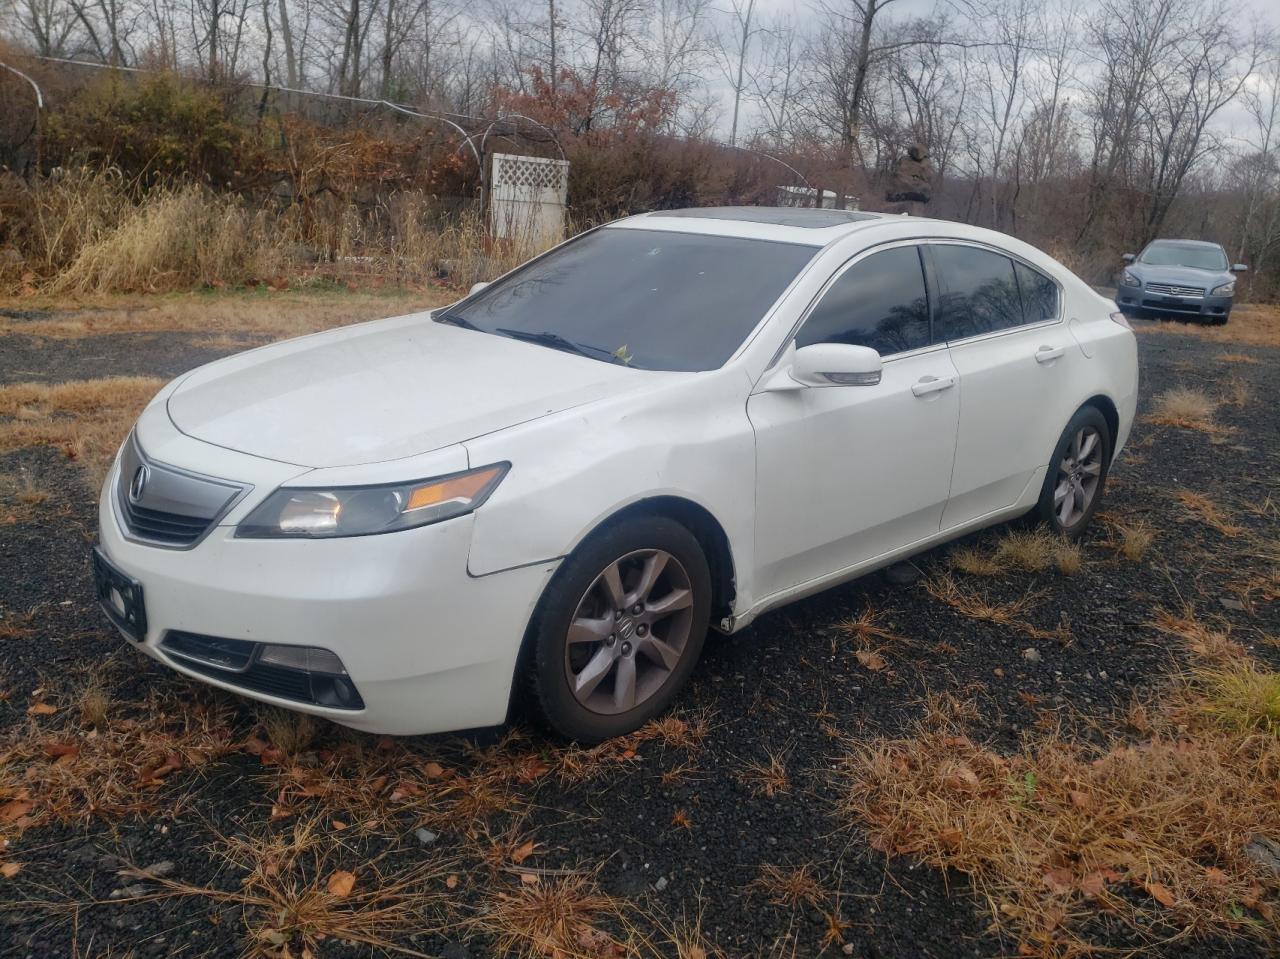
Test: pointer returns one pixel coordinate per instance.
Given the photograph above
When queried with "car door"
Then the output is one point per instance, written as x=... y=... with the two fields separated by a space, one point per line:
x=845 y=474
x=1002 y=321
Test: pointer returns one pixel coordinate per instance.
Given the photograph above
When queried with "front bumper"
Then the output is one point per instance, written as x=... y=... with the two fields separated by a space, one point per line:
x=429 y=647
x=1139 y=298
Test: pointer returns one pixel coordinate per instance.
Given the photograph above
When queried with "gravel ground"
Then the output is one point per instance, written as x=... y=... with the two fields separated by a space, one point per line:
x=688 y=842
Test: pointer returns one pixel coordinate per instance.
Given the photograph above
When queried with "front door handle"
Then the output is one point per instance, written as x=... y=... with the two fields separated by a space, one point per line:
x=1047 y=354
x=932 y=384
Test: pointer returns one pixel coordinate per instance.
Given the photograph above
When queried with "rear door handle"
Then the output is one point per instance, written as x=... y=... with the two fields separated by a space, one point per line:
x=932 y=384
x=1047 y=354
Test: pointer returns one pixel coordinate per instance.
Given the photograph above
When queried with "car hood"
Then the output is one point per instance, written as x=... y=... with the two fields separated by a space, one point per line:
x=383 y=391
x=1180 y=275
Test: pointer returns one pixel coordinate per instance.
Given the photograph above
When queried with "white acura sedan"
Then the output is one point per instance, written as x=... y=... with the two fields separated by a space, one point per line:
x=679 y=420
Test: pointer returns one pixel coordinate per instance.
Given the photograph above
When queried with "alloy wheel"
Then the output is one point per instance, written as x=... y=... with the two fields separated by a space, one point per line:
x=1078 y=476
x=629 y=631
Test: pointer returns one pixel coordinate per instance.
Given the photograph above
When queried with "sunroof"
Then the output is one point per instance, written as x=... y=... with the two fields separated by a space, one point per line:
x=774 y=215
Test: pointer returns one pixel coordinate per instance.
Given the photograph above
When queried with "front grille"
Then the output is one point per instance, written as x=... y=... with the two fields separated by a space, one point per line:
x=170 y=529
x=235 y=661
x=1169 y=289
x=165 y=506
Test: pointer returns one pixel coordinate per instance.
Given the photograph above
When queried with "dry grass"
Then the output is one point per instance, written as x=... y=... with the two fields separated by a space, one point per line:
x=90 y=232
x=792 y=888
x=107 y=765
x=1251 y=324
x=1186 y=408
x=85 y=419
x=1203 y=641
x=1128 y=539
x=229 y=320
x=1153 y=834
x=1238 y=358
x=1238 y=393
x=767 y=779
x=560 y=916
x=1031 y=551
x=1202 y=508
x=973 y=605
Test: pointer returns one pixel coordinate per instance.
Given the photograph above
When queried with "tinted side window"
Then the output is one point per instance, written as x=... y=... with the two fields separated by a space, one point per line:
x=879 y=302
x=1039 y=294
x=979 y=292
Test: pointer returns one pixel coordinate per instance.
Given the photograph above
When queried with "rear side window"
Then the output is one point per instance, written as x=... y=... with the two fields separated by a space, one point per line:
x=979 y=292
x=1039 y=294
x=878 y=302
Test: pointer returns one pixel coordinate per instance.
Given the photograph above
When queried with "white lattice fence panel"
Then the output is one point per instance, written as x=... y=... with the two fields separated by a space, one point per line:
x=527 y=198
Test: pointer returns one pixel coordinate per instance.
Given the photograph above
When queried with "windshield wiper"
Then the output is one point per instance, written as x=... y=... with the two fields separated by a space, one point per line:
x=557 y=342
x=452 y=319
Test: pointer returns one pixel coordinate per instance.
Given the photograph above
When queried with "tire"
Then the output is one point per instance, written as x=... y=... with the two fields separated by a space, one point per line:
x=1050 y=509
x=580 y=687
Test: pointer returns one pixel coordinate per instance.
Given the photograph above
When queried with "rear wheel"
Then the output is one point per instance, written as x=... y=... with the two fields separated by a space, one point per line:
x=620 y=629
x=1077 y=474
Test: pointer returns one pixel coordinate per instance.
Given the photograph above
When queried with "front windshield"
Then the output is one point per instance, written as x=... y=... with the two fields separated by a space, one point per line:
x=1179 y=254
x=646 y=298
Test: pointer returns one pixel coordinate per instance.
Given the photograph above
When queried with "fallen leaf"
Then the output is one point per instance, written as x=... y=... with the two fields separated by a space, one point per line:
x=13 y=811
x=528 y=878
x=10 y=869
x=522 y=852
x=1059 y=881
x=1160 y=893
x=1093 y=884
x=341 y=883
x=1081 y=800
x=339 y=825
x=42 y=709
x=451 y=881
x=1215 y=876
x=433 y=770
x=870 y=660
x=963 y=778
x=57 y=750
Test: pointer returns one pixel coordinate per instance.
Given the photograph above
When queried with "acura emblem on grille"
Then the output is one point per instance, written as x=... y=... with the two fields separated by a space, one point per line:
x=139 y=483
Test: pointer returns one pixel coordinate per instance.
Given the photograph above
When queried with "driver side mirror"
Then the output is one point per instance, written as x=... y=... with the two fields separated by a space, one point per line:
x=826 y=364
x=477 y=287
x=1239 y=268
x=1128 y=257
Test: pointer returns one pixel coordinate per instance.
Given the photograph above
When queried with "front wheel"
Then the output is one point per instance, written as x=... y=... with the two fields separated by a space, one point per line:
x=620 y=628
x=1077 y=474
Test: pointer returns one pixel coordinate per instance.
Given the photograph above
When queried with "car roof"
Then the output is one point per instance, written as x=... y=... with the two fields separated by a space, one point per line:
x=810 y=227
x=1194 y=243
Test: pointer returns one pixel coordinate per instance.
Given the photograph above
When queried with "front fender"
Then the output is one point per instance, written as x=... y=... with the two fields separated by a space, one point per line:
x=571 y=471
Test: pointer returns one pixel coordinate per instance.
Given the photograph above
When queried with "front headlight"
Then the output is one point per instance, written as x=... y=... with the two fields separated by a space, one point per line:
x=1128 y=279
x=364 y=510
x=1226 y=289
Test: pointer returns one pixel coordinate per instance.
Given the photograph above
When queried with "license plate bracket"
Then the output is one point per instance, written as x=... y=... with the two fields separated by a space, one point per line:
x=120 y=597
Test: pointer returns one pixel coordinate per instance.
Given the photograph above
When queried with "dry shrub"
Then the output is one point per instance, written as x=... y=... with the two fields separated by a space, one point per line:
x=54 y=770
x=1153 y=834
x=1208 y=512
x=178 y=237
x=1239 y=695
x=559 y=916
x=1186 y=408
x=86 y=419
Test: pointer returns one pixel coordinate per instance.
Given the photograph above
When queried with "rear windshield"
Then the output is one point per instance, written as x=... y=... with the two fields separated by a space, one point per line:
x=646 y=298
x=1176 y=254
